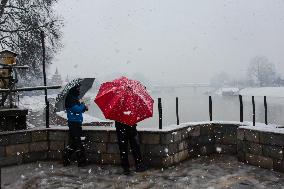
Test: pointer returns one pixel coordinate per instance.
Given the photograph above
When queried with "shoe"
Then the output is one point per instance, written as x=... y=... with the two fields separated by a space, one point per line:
x=81 y=158
x=66 y=163
x=82 y=164
x=66 y=160
x=126 y=172
x=67 y=152
x=141 y=168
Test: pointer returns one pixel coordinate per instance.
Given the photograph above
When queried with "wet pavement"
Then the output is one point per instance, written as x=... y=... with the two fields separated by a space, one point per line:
x=214 y=172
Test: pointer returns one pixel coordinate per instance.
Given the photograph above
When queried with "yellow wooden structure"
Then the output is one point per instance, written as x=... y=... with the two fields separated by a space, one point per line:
x=7 y=57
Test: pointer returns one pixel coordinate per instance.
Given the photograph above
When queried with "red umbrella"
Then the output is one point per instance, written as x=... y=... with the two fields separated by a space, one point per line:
x=125 y=100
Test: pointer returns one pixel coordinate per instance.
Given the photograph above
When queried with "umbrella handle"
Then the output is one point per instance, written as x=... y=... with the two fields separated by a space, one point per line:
x=86 y=107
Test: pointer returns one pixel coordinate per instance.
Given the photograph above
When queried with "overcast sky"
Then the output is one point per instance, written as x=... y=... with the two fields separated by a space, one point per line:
x=169 y=40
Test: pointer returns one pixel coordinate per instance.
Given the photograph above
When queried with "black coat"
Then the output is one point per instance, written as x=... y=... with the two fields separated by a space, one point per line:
x=119 y=124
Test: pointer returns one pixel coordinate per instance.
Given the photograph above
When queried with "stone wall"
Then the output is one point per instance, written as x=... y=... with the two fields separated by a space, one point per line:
x=23 y=147
x=160 y=148
x=261 y=148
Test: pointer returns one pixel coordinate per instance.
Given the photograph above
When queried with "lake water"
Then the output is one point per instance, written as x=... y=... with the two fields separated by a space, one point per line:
x=194 y=106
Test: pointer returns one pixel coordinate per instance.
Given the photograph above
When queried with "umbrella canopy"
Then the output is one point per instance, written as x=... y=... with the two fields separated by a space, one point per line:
x=85 y=85
x=125 y=100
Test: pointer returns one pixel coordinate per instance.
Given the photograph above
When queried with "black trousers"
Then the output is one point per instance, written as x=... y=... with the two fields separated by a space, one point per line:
x=127 y=134
x=75 y=143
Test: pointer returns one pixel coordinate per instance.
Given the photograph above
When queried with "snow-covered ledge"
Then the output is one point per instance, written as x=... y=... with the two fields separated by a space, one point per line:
x=259 y=145
x=262 y=146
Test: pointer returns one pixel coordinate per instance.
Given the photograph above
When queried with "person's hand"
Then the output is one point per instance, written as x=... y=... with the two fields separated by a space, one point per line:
x=86 y=107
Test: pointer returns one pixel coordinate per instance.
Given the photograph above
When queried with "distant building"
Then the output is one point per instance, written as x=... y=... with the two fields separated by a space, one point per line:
x=67 y=79
x=56 y=78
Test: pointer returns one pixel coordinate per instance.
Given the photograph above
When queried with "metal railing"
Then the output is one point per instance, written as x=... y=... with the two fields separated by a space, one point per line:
x=210 y=110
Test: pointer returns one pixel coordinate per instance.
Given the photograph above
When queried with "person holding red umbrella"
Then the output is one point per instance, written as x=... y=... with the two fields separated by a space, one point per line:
x=127 y=102
x=128 y=134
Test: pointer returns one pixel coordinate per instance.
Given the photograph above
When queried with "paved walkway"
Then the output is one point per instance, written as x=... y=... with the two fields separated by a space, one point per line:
x=213 y=172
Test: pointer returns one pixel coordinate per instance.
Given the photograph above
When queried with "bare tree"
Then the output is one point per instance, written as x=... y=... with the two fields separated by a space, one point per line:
x=20 y=24
x=261 y=72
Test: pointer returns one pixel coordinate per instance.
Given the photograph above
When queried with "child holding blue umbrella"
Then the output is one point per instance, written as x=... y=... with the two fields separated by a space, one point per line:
x=75 y=110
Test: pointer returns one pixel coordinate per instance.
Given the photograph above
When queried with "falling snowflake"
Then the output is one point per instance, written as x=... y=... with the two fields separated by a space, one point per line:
x=166 y=150
x=218 y=149
x=127 y=113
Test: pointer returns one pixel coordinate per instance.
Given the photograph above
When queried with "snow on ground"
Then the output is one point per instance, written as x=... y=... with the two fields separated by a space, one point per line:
x=248 y=125
x=259 y=91
x=263 y=91
x=214 y=172
x=86 y=118
x=35 y=103
x=266 y=128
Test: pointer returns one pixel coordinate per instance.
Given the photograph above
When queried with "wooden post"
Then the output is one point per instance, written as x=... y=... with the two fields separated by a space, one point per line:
x=2 y=99
x=11 y=85
x=177 y=111
x=44 y=80
x=210 y=108
x=253 y=111
x=0 y=177
x=241 y=108
x=18 y=100
x=160 y=113
x=265 y=110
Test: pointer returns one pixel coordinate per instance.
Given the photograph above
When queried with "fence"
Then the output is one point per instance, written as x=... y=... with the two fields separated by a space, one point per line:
x=210 y=110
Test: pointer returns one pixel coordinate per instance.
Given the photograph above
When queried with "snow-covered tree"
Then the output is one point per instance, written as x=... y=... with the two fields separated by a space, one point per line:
x=261 y=72
x=20 y=24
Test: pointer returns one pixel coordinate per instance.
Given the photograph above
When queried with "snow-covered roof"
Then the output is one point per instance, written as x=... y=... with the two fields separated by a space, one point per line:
x=227 y=90
x=230 y=90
